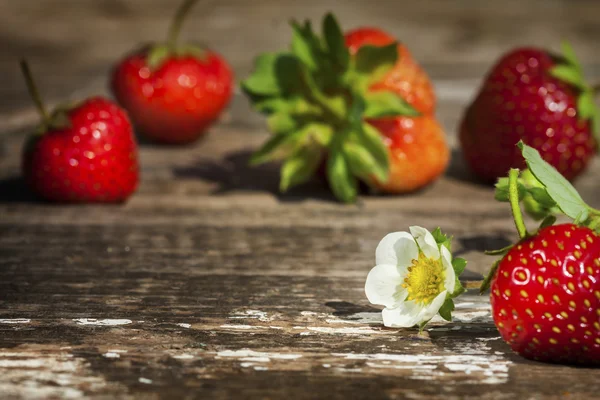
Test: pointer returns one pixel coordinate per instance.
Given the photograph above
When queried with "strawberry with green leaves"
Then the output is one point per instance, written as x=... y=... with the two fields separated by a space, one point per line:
x=540 y=98
x=545 y=290
x=173 y=91
x=339 y=100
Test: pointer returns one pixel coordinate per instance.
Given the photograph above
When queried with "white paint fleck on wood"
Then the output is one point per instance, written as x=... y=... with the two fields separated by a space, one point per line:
x=15 y=321
x=145 y=380
x=184 y=325
x=102 y=322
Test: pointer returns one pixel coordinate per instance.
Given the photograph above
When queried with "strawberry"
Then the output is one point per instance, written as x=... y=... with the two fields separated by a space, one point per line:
x=406 y=78
x=546 y=295
x=540 y=98
x=418 y=152
x=332 y=100
x=545 y=290
x=81 y=154
x=173 y=91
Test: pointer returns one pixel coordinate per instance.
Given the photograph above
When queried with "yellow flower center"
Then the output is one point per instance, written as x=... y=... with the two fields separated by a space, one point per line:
x=425 y=279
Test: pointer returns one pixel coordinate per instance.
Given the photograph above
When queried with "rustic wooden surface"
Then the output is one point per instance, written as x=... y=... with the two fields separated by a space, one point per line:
x=208 y=284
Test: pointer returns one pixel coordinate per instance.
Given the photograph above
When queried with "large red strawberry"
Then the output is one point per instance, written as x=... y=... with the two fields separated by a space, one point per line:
x=173 y=91
x=81 y=154
x=545 y=290
x=540 y=98
x=357 y=103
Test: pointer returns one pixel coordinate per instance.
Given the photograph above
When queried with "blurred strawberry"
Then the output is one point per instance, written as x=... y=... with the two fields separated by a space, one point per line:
x=537 y=97
x=81 y=154
x=173 y=91
x=325 y=100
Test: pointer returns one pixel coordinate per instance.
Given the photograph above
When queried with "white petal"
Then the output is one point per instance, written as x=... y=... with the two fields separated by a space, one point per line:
x=450 y=281
x=405 y=315
x=398 y=248
x=434 y=307
x=426 y=242
x=382 y=284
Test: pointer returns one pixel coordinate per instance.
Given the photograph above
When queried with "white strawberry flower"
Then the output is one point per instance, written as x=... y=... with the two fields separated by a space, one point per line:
x=414 y=277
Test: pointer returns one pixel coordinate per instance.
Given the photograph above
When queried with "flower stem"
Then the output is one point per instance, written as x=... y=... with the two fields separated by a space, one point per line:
x=34 y=93
x=175 y=28
x=513 y=197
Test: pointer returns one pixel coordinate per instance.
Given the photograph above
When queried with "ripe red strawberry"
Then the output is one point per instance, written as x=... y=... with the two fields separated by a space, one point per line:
x=173 y=91
x=83 y=154
x=545 y=290
x=332 y=101
x=407 y=78
x=537 y=97
x=546 y=296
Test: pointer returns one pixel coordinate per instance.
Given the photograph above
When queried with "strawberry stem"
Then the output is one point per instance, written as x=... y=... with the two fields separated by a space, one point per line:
x=513 y=197
x=34 y=93
x=177 y=23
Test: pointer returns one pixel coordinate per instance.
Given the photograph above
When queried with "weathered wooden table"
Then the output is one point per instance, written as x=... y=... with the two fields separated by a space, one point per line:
x=208 y=283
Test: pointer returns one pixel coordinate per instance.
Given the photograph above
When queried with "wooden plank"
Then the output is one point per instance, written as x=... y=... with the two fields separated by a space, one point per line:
x=208 y=283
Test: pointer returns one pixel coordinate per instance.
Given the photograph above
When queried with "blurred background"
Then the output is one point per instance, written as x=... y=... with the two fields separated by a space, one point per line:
x=72 y=44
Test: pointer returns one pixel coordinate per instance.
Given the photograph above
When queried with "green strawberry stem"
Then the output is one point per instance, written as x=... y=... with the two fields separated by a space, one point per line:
x=513 y=196
x=34 y=93
x=177 y=23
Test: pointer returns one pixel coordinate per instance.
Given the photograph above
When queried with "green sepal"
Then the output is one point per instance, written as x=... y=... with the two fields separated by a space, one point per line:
x=442 y=239
x=375 y=61
x=157 y=55
x=459 y=265
x=362 y=163
x=548 y=221
x=501 y=251
x=446 y=309
x=299 y=168
x=568 y=74
x=190 y=50
x=336 y=44
x=383 y=104
x=306 y=46
x=487 y=281
x=342 y=182
x=571 y=72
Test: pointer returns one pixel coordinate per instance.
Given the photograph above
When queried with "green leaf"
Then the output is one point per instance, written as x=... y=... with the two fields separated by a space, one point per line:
x=442 y=239
x=362 y=163
x=485 y=285
x=459 y=265
x=306 y=45
x=265 y=153
x=548 y=221
x=559 y=189
x=263 y=80
x=501 y=193
x=446 y=309
x=335 y=41
x=157 y=55
x=300 y=167
x=569 y=74
x=382 y=104
x=341 y=181
x=541 y=196
x=372 y=61
x=569 y=55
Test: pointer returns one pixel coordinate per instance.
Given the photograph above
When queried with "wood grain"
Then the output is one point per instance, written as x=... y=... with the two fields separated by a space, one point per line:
x=210 y=284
